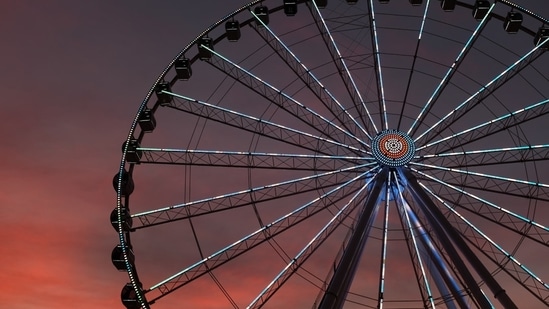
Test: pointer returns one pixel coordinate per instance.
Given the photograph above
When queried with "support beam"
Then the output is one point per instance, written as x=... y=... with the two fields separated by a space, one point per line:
x=440 y=269
x=336 y=292
x=450 y=237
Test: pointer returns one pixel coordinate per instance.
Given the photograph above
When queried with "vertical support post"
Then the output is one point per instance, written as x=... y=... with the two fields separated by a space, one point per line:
x=448 y=236
x=440 y=270
x=339 y=285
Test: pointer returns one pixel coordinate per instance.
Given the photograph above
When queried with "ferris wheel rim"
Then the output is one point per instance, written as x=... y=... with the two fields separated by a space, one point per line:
x=123 y=237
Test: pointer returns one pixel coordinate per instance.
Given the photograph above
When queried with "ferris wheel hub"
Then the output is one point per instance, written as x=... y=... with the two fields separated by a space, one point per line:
x=393 y=148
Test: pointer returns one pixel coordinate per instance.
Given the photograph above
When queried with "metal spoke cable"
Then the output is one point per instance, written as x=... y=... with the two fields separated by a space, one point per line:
x=306 y=75
x=210 y=273
x=256 y=125
x=383 y=265
x=306 y=251
x=509 y=184
x=377 y=66
x=245 y=159
x=542 y=229
x=490 y=127
x=413 y=68
x=281 y=99
x=340 y=63
x=246 y=197
x=524 y=153
x=254 y=239
x=506 y=255
x=482 y=93
x=449 y=74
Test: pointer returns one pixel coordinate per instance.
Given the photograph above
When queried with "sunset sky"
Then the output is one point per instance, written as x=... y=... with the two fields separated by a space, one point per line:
x=73 y=74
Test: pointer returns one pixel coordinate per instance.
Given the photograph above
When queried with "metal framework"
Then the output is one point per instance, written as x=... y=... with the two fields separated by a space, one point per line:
x=366 y=154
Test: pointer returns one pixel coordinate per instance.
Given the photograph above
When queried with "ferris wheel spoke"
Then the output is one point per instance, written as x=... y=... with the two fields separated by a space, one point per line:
x=487 y=128
x=326 y=201
x=377 y=66
x=383 y=264
x=450 y=73
x=413 y=68
x=260 y=126
x=498 y=184
x=294 y=265
x=250 y=196
x=490 y=211
x=477 y=98
x=244 y=159
x=342 y=67
x=282 y=100
x=495 y=252
x=527 y=153
x=309 y=79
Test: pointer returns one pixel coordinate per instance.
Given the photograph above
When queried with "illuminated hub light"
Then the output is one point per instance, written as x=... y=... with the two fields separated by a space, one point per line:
x=393 y=148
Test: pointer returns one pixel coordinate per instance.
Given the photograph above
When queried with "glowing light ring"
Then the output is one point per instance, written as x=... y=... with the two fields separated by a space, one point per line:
x=393 y=148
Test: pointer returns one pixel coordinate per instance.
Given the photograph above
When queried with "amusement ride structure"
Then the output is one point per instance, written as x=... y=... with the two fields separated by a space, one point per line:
x=343 y=154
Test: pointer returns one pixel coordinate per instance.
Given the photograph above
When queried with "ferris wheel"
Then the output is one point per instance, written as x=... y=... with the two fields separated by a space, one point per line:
x=343 y=154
